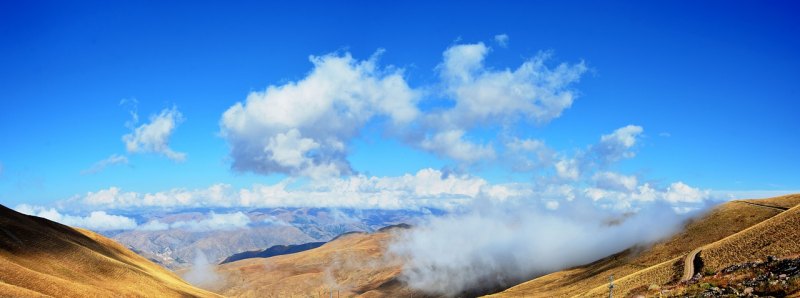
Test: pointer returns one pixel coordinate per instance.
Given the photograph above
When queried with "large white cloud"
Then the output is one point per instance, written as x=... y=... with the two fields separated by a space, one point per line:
x=153 y=137
x=303 y=127
x=533 y=93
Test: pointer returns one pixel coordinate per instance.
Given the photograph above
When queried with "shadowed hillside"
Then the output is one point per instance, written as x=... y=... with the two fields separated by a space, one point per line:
x=40 y=258
x=734 y=232
x=276 y=250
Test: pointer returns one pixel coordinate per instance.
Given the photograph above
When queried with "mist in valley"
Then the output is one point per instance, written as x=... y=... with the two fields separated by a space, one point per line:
x=492 y=246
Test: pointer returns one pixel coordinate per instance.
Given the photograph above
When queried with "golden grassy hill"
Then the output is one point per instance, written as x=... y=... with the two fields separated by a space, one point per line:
x=732 y=232
x=41 y=258
x=353 y=264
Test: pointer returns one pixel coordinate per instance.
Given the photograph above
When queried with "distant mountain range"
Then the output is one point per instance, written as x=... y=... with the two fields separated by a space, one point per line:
x=175 y=248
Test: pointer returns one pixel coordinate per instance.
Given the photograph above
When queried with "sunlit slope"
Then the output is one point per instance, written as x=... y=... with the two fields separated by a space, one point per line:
x=39 y=258
x=353 y=264
x=660 y=263
x=776 y=236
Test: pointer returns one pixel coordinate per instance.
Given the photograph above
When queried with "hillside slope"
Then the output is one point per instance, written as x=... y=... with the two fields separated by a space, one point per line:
x=40 y=258
x=662 y=263
x=354 y=264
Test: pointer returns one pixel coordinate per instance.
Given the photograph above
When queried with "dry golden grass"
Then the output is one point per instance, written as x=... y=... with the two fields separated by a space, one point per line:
x=40 y=258
x=778 y=236
x=662 y=262
x=787 y=201
x=659 y=274
x=352 y=265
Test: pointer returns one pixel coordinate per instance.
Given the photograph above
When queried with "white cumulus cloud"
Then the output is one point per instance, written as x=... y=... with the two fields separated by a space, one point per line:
x=302 y=128
x=533 y=92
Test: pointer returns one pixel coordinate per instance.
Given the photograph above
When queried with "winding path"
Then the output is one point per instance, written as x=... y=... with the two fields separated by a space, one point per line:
x=688 y=264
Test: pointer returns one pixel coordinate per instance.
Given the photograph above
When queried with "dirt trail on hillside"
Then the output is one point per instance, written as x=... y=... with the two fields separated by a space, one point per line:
x=763 y=205
x=688 y=264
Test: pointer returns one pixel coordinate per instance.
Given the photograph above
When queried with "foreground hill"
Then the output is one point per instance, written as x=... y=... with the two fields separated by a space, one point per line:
x=732 y=233
x=40 y=258
x=353 y=264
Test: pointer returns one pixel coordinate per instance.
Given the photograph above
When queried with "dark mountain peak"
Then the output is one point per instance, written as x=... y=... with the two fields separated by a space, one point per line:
x=403 y=226
x=275 y=250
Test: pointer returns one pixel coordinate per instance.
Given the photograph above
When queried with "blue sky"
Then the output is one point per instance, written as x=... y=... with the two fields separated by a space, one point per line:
x=713 y=85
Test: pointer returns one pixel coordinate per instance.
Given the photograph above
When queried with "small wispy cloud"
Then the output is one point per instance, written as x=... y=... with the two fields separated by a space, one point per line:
x=114 y=159
x=502 y=40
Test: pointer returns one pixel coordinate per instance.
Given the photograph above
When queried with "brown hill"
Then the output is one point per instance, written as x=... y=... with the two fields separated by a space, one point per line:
x=353 y=264
x=41 y=258
x=734 y=232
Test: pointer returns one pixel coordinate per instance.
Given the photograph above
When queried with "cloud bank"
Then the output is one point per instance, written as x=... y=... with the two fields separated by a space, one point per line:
x=560 y=220
x=494 y=246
